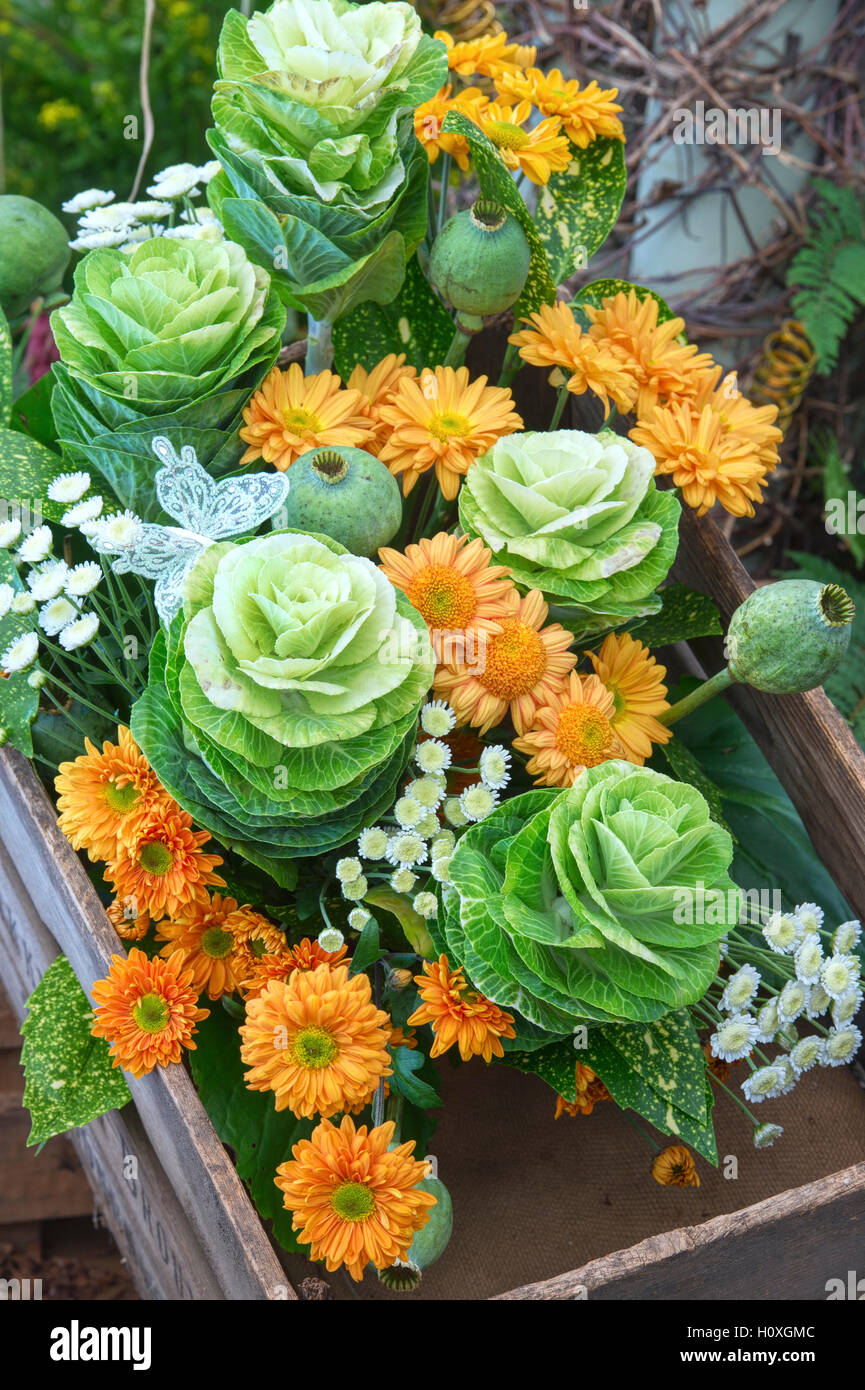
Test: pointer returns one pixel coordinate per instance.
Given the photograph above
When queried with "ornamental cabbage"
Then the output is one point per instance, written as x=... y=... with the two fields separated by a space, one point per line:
x=324 y=183
x=587 y=906
x=577 y=516
x=281 y=708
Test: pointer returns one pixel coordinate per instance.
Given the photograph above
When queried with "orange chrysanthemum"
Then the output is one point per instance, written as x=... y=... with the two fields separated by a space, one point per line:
x=590 y=1090
x=707 y=463
x=741 y=421
x=291 y=413
x=162 y=866
x=255 y=938
x=99 y=794
x=573 y=730
x=585 y=112
x=127 y=921
x=442 y=420
x=317 y=1041
x=306 y=955
x=206 y=934
x=537 y=152
x=488 y=56
x=636 y=683
x=458 y=1014
x=647 y=350
x=147 y=1010
x=675 y=1167
x=354 y=1200
x=428 y=119
x=376 y=389
x=451 y=583
x=399 y=1038
x=517 y=670
x=556 y=340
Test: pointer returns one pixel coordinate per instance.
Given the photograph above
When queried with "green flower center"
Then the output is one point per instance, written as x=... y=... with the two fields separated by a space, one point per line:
x=300 y=421
x=506 y=136
x=353 y=1201
x=120 y=799
x=151 y=1013
x=155 y=857
x=314 y=1048
x=216 y=942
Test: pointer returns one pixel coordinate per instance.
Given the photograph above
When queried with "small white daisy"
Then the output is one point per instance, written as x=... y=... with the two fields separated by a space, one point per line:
x=36 y=547
x=428 y=825
x=437 y=718
x=454 y=812
x=763 y=1082
x=355 y=889
x=208 y=171
x=428 y=790
x=95 y=241
x=69 y=487
x=433 y=756
x=347 y=869
x=818 y=1002
x=408 y=812
x=175 y=181
x=840 y=974
x=810 y=915
x=148 y=209
x=83 y=512
x=809 y=959
x=441 y=868
x=478 y=801
x=406 y=849
x=195 y=231
x=88 y=198
x=79 y=633
x=20 y=654
x=7 y=594
x=740 y=989
x=494 y=766
x=788 y=1076
x=120 y=530
x=48 y=581
x=783 y=932
x=402 y=880
x=845 y=1009
x=806 y=1054
x=330 y=939
x=425 y=904
x=358 y=918
x=83 y=579
x=372 y=842
x=23 y=602
x=36 y=679
x=734 y=1038
x=765 y=1135
x=841 y=1046
x=9 y=532
x=846 y=937
x=791 y=1001
x=443 y=843
x=56 y=615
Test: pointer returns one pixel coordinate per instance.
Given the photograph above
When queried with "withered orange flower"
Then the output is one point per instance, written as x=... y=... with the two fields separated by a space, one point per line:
x=675 y=1167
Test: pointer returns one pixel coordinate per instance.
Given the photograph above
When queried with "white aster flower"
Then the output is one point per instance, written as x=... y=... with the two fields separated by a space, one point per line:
x=840 y=974
x=120 y=530
x=402 y=880
x=433 y=756
x=95 y=241
x=441 y=868
x=36 y=547
x=792 y=1001
x=810 y=915
x=69 y=487
x=734 y=1038
x=117 y=217
x=408 y=812
x=57 y=615
x=406 y=849
x=788 y=1076
x=202 y=214
x=428 y=825
x=175 y=181
x=454 y=812
x=20 y=654
x=48 y=581
x=358 y=918
x=88 y=198
x=845 y=1009
x=494 y=766
x=428 y=790
x=36 y=679
x=818 y=1002
x=437 y=718
x=194 y=231
x=740 y=989
x=783 y=932
x=809 y=959
x=79 y=633
x=355 y=889
x=765 y=1135
x=372 y=843
x=9 y=532
x=806 y=1054
x=425 y=904
x=444 y=843
x=208 y=171
x=331 y=939
x=846 y=937
x=763 y=1082
x=83 y=512
x=23 y=602
x=478 y=801
x=7 y=594
x=83 y=579
x=841 y=1045
x=148 y=209
x=347 y=869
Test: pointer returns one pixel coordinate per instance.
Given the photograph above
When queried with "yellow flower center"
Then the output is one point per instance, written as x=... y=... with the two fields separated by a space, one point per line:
x=314 y=1048
x=300 y=421
x=155 y=858
x=446 y=425
x=353 y=1201
x=216 y=943
x=516 y=660
x=443 y=597
x=120 y=799
x=506 y=136
x=584 y=735
x=151 y=1013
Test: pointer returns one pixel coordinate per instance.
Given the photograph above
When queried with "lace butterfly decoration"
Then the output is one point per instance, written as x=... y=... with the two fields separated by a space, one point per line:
x=207 y=510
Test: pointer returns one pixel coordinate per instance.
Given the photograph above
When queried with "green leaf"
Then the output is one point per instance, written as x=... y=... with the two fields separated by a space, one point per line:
x=599 y=290
x=368 y=949
x=19 y=702
x=70 y=1077
x=260 y=1136
x=26 y=469
x=496 y=183
x=823 y=451
x=31 y=413
x=416 y=323
x=578 y=209
x=407 y=1062
x=5 y=369
x=413 y=925
x=684 y=765
x=685 y=614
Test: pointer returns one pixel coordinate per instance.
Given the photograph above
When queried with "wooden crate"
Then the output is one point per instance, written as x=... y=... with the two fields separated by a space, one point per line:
x=186 y=1225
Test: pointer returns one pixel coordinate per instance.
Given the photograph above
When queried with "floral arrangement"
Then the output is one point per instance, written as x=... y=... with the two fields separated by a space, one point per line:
x=377 y=760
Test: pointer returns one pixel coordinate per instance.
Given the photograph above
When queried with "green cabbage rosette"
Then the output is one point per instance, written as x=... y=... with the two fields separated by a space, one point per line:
x=174 y=333
x=324 y=181
x=282 y=704
x=577 y=516
x=585 y=906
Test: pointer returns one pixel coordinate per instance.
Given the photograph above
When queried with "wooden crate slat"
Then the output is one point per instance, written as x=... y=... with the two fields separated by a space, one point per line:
x=807 y=742
x=190 y=1161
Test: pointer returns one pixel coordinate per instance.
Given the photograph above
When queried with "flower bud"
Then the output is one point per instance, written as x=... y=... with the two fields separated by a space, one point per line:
x=399 y=979
x=479 y=263
x=788 y=637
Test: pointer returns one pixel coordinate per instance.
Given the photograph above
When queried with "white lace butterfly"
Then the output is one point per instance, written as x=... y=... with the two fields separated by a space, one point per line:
x=207 y=511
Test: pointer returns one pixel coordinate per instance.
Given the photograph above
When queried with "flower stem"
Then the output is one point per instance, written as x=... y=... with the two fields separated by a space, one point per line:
x=319 y=345
x=560 y=405
x=639 y=1128
x=732 y=1094
x=443 y=192
x=697 y=697
x=456 y=352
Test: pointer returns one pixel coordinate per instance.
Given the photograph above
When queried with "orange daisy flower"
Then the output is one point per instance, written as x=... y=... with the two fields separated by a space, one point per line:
x=317 y=1041
x=205 y=934
x=127 y=921
x=675 y=1167
x=291 y=413
x=398 y=1038
x=429 y=116
x=517 y=671
x=648 y=350
x=355 y=1200
x=451 y=583
x=707 y=463
x=100 y=793
x=636 y=683
x=440 y=419
x=162 y=866
x=306 y=955
x=255 y=937
x=585 y=112
x=147 y=1009
x=557 y=341
x=488 y=56
x=539 y=152
x=377 y=388
x=741 y=421
x=590 y=1090
x=458 y=1014
x=572 y=731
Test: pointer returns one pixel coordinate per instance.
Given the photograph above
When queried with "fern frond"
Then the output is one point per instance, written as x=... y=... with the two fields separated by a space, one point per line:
x=828 y=272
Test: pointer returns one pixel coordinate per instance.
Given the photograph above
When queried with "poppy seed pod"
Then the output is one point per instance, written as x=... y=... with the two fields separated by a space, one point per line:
x=479 y=263
x=788 y=637
x=345 y=494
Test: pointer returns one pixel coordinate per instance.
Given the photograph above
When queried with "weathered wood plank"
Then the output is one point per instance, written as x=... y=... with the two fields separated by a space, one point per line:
x=59 y=909
x=807 y=742
x=787 y=1247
